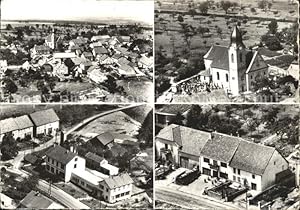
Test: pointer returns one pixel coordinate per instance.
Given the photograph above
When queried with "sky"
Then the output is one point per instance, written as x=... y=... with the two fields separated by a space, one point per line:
x=77 y=10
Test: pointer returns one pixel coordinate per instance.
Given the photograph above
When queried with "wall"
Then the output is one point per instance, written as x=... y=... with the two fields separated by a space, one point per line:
x=22 y=133
x=41 y=129
x=173 y=148
x=206 y=165
x=80 y=165
x=222 y=81
x=110 y=194
x=276 y=164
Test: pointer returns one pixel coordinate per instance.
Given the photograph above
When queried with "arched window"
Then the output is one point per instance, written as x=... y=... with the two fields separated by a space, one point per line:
x=218 y=76
x=232 y=58
x=227 y=78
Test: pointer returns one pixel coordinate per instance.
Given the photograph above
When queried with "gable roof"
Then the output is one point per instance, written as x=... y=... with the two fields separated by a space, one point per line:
x=174 y=108
x=219 y=57
x=252 y=157
x=87 y=54
x=100 y=50
x=118 y=181
x=191 y=140
x=23 y=122
x=44 y=117
x=105 y=138
x=94 y=157
x=8 y=125
x=220 y=147
x=60 y=154
x=257 y=63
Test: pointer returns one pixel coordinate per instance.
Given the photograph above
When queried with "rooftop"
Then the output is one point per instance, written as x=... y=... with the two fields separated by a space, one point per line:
x=60 y=154
x=36 y=200
x=118 y=181
x=44 y=117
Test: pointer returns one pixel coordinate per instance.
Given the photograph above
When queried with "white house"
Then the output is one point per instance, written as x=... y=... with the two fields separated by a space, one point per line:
x=6 y=202
x=25 y=126
x=219 y=155
x=45 y=122
x=234 y=68
x=62 y=162
x=3 y=65
x=116 y=188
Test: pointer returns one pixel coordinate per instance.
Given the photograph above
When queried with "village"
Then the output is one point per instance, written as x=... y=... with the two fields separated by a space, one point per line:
x=227 y=156
x=75 y=62
x=226 y=51
x=77 y=157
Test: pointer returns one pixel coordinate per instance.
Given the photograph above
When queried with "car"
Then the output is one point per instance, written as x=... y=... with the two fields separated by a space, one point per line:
x=187 y=177
x=8 y=165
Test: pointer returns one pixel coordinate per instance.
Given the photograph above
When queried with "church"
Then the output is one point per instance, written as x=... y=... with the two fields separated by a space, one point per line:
x=234 y=68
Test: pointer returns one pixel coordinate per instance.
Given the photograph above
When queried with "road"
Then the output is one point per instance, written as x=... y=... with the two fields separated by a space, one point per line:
x=57 y=193
x=188 y=201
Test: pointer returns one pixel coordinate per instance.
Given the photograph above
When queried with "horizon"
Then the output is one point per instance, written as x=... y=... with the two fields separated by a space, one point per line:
x=78 y=10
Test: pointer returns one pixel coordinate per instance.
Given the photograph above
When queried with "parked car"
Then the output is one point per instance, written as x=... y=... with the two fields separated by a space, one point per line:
x=187 y=177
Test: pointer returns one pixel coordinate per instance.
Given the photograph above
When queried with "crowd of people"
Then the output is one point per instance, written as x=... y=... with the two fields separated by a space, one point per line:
x=196 y=85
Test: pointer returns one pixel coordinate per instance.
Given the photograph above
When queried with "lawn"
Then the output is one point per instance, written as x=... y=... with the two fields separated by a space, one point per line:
x=72 y=190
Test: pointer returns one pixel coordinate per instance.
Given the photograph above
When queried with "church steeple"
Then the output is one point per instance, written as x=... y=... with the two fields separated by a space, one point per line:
x=236 y=38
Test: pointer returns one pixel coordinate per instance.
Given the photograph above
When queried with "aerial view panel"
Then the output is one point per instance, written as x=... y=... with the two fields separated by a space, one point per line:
x=226 y=51
x=98 y=51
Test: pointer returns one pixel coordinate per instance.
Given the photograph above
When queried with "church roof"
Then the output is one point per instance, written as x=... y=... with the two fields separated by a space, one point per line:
x=236 y=37
x=219 y=55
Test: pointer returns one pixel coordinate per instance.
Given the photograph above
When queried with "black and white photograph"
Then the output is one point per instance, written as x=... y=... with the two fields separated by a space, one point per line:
x=226 y=51
x=227 y=156
x=76 y=156
x=80 y=51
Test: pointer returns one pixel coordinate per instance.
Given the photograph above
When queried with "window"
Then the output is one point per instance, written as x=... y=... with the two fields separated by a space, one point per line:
x=251 y=77
x=232 y=58
x=224 y=165
x=122 y=194
x=215 y=163
x=218 y=76
x=106 y=189
x=166 y=146
x=117 y=196
x=253 y=176
x=239 y=172
x=234 y=170
x=264 y=73
x=227 y=78
x=75 y=165
x=241 y=58
x=127 y=193
x=76 y=159
x=48 y=167
x=274 y=163
x=206 y=160
x=239 y=179
x=253 y=186
x=234 y=178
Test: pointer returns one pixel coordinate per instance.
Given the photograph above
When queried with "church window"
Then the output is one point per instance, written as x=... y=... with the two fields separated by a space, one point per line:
x=226 y=77
x=232 y=58
x=218 y=76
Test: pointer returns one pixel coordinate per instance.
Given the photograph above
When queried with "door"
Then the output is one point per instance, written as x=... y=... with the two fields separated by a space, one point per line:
x=215 y=173
x=184 y=162
x=206 y=171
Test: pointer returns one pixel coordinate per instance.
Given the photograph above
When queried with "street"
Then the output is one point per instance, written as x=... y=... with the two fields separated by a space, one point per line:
x=188 y=201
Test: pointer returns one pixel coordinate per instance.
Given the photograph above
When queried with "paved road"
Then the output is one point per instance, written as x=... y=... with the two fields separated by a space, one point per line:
x=188 y=201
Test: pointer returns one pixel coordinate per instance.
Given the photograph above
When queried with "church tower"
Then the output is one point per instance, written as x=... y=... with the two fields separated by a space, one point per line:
x=52 y=45
x=236 y=60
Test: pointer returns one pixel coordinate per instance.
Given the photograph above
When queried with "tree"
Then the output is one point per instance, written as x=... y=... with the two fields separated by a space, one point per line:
x=196 y=118
x=273 y=43
x=180 y=18
x=146 y=131
x=112 y=85
x=10 y=86
x=9 y=27
x=219 y=32
x=20 y=35
x=273 y=26
x=203 y=7
x=226 y=5
x=162 y=84
x=178 y=119
x=9 y=147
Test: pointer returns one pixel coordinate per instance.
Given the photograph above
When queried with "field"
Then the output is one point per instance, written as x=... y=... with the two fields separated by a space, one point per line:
x=172 y=30
x=117 y=122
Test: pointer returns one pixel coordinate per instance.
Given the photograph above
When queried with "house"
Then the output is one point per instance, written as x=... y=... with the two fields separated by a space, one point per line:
x=61 y=56
x=234 y=68
x=125 y=70
x=103 y=140
x=36 y=200
x=62 y=162
x=219 y=155
x=95 y=45
x=61 y=69
x=87 y=55
x=145 y=62
x=51 y=40
x=25 y=126
x=116 y=188
x=104 y=59
x=293 y=70
x=124 y=39
x=40 y=50
x=8 y=126
x=85 y=65
x=3 y=66
x=79 y=41
x=20 y=127
x=95 y=75
x=45 y=122
x=99 y=50
x=166 y=114
x=100 y=38
x=98 y=163
x=6 y=202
